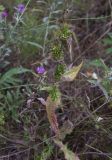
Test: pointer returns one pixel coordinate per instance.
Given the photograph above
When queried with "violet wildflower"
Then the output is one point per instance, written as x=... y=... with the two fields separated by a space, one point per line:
x=21 y=8
x=40 y=70
x=4 y=14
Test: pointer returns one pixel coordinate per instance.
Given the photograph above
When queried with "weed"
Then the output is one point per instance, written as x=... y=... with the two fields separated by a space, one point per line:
x=13 y=102
x=59 y=71
x=57 y=52
x=54 y=93
x=43 y=31
x=65 y=32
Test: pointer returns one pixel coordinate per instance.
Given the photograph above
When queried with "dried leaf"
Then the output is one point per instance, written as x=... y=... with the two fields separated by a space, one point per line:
x=42 y=101
x=50 y=109
x=66 y=128
x=29 y=103
x=69 y=155
x=69 y=42
x=72 y=73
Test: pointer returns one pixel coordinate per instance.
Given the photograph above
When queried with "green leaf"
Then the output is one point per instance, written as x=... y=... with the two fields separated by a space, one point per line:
x=35 y=44
x=8 y=77
x=109 y=50
x=96 y=62
x=46 y=88
x=54 y=27
x=9 y=97
x=110 y=34
x=107 y=41
x=99 y=63
x=1 y=8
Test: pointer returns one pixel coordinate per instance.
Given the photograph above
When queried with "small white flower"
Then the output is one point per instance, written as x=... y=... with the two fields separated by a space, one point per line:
x=94 y=76
x=99 y=119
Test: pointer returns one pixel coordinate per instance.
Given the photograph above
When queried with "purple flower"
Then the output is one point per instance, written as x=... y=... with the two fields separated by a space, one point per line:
x=4 y=14
x=40 y=70
x=21 y=8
